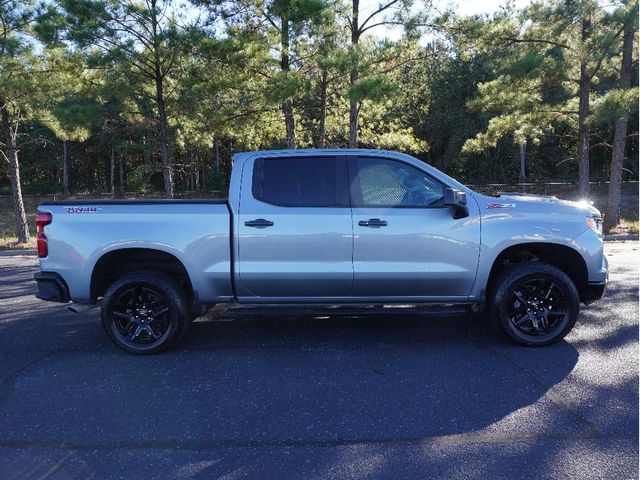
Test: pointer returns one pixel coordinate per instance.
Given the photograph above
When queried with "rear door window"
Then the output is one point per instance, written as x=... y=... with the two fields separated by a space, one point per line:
x=301 y=181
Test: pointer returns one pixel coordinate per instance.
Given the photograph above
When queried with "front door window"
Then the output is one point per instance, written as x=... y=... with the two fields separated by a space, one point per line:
x=387 y=183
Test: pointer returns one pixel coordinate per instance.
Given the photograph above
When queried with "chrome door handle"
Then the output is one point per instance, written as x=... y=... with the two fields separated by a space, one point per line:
x=373 y=223
x=259 y=223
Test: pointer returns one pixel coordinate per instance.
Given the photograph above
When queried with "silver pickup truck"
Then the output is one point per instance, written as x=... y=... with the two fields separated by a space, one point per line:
x=324 y=227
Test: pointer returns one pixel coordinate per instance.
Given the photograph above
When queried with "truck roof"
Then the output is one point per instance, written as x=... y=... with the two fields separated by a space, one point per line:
x=315 y=151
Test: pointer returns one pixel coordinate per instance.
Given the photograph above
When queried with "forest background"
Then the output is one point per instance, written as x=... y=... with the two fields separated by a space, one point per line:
x=150 y=97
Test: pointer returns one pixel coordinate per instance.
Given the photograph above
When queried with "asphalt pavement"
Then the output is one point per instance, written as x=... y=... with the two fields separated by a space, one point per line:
x=270 y=394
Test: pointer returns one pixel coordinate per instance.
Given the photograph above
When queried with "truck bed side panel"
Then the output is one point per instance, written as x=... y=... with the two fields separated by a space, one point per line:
x=196 y=233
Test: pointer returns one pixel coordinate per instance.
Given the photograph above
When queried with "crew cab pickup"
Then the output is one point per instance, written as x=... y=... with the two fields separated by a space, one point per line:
x=324 y=227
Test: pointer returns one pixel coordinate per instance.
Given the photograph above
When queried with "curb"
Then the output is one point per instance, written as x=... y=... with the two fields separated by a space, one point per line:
x=620 y=237
x=18 y=253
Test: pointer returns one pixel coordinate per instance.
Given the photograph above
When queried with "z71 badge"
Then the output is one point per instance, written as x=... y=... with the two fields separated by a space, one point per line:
x=82 y=209
x=501 y=205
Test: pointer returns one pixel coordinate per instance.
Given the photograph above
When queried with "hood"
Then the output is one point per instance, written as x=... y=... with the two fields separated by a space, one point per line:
x=511 y=200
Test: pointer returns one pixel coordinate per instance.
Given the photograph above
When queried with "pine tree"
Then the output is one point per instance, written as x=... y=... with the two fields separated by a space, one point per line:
x=19 y=90
x=546 y=60
x=390 y=12
x=629 y=17
x=149 y=38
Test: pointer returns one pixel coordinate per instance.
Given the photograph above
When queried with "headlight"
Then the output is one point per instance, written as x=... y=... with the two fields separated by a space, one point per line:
x=595 y=224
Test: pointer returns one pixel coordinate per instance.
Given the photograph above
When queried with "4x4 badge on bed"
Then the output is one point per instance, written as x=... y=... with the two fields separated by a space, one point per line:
x=82 y=209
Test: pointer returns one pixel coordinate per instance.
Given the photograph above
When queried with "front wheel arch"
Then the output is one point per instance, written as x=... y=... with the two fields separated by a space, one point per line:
x=563 y=257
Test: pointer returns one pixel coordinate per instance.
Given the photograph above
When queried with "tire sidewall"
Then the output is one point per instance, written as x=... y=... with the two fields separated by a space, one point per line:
x=173 y=296
x=520 y=272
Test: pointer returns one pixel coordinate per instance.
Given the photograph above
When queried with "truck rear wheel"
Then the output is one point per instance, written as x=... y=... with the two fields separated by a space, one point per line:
x=534 y=303
x=145 y=312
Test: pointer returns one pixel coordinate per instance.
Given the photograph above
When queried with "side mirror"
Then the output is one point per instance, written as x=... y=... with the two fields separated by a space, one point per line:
x=458 y=200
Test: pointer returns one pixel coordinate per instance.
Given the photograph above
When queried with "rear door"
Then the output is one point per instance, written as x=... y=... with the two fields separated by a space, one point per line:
x=295 y=236
x=406 y=242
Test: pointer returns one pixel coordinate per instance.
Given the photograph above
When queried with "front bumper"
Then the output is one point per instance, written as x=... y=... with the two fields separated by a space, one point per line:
x=593 y=292
x=51 y=287
x=595 y=289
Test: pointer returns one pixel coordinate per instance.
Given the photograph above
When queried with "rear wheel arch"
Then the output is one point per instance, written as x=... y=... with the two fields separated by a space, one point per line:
x=116 y=263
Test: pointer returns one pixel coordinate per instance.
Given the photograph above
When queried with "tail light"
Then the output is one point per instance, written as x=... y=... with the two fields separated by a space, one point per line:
x=42 y=219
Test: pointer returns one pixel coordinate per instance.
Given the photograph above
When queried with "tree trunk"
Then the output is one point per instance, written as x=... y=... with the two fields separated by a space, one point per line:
x=353 y=75
x=163 y=134
x=523 y=149
x=287 y=105
x=353 y=119
x=612 y=214
x=290 y=122
x=583 y=112
x=323 y=108
x=193 y=173
x=121 y=172
x=65 y=168
x=22 y=228
x=228 y=165
x=167 y=168
x=218 y=157
x=112 y=171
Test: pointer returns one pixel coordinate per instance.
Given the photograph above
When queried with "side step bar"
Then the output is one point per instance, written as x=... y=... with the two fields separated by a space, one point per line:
x=305 y=311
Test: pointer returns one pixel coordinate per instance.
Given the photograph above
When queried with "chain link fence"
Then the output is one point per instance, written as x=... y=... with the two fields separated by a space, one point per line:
x=564 y=190
x=31 y=202
x=570 y=191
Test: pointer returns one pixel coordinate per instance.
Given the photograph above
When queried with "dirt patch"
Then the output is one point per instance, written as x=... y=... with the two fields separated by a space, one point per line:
x=11 y=243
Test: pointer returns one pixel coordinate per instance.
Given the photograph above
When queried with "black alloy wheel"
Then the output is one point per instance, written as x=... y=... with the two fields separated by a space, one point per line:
x=537 y=305
x=145 y=312
x=534 y=303
x=141 y=315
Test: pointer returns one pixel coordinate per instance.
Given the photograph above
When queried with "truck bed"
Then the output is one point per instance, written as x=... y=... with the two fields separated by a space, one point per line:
x=196 y=232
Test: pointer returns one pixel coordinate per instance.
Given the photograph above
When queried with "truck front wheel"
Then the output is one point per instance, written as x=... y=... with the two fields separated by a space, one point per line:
x=145 y=312
x=534 y=303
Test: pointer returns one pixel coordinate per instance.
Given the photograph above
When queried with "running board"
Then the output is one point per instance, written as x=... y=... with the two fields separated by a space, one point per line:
x=300 y=311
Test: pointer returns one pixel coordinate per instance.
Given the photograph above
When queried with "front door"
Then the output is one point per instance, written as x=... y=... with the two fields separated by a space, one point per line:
x=295 y=237
x=406 y=242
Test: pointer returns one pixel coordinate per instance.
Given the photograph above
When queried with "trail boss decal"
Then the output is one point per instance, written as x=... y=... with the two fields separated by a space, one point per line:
x=82 y=209
x=491 y=206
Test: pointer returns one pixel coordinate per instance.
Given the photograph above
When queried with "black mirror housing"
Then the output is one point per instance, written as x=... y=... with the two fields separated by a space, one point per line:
x=458 y=200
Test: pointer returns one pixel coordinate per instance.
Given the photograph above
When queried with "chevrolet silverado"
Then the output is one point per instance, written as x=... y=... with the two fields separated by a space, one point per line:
x=324 y=227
